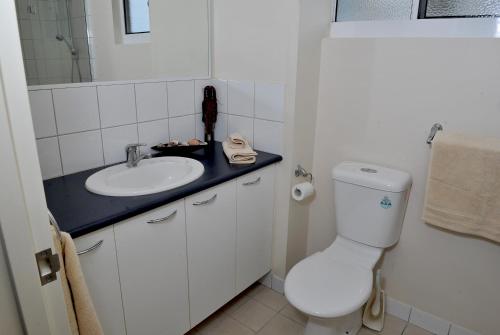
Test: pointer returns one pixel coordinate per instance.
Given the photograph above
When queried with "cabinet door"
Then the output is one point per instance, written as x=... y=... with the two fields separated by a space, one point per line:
x=152 y=260
x=211 y=237
x=100 y=269
x=255 y=198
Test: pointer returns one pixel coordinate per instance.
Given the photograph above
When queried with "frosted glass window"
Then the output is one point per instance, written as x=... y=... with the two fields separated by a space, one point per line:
x=458 y=8
x=370 y=10
x=136 y=16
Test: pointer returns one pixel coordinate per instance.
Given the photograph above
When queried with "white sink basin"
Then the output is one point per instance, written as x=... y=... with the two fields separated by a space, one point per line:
x=150 y=176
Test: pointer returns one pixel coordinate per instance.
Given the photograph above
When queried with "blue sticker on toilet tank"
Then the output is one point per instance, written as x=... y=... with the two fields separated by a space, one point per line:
x=386 y=203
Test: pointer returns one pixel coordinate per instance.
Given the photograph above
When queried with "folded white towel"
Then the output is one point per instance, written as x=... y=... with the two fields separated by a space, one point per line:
x=243 y=155
x=236 y=141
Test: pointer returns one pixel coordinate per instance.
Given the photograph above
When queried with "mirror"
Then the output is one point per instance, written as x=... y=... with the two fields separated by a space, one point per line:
x=71 y=41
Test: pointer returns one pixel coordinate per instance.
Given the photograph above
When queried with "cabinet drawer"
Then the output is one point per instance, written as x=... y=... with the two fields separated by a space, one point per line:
x=255 y=208
x=100 y=269
x=211 y=239
x=152 y=260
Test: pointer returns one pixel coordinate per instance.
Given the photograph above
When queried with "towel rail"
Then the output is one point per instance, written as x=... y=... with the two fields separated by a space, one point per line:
x=53 y=222
x=435 y=128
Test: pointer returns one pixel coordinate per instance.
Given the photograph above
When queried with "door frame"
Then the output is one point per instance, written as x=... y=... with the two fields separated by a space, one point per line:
x=23 y=210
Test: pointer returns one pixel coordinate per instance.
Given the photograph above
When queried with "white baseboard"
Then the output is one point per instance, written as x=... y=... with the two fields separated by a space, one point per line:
x=424 y=320
x=278 y=284
x=267 y=280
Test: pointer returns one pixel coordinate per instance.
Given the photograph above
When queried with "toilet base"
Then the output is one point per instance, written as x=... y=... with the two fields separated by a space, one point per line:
x=346 y=325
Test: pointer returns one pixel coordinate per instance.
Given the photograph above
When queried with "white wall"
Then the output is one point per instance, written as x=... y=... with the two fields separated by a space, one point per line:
x=174 y=44
x=258 y=40
x=313 y=27
x=378 y=99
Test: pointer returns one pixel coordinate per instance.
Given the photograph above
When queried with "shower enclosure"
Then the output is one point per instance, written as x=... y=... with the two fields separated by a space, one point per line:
x=55 y=41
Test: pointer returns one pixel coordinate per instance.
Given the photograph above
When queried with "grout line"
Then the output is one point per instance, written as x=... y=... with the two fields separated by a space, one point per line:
x=57 y=132
x=136 y=116
x=100 y=125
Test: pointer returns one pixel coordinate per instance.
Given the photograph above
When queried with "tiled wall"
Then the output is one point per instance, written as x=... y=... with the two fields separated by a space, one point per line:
x=46 y=59
x=79 y=128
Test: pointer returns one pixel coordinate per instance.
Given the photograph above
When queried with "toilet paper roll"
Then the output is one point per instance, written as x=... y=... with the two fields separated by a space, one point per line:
x=302 y=191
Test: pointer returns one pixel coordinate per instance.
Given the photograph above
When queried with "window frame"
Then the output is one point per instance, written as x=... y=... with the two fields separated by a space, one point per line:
x=422 y=14
x=129 y=38
x=125 y=21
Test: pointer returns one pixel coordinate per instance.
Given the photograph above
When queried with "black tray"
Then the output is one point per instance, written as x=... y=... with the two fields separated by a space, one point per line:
x=178 y=149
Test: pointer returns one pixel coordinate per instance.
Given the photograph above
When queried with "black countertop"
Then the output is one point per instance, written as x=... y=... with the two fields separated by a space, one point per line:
x=80 y=212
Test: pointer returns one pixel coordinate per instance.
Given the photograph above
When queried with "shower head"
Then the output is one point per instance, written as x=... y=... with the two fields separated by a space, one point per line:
x=60 y=37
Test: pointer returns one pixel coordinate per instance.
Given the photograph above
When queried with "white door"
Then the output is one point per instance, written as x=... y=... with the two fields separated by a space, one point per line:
x=255 y=226
x=152 y=261
x=23 y=211
x=100 y=268
x=211 y=237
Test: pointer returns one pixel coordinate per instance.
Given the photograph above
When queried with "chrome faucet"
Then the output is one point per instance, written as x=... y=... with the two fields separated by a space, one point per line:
x=134 y=154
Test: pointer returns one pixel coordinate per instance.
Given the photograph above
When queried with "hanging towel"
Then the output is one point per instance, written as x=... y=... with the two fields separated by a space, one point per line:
x=82 y=316
x=463 y=186
x=244 y=155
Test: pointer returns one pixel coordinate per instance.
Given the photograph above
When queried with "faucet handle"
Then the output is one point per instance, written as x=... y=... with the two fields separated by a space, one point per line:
x=134 y=146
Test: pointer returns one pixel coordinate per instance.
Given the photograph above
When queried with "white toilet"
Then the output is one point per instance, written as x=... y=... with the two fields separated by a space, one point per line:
x=331 y=286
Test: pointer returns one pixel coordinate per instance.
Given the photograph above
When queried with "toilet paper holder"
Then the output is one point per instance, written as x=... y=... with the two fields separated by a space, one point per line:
x=301 y=172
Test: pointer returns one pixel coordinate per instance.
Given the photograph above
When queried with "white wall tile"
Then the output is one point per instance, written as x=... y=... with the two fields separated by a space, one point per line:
x=268 y=136
x=114 y=141
x=398 y=309
x=42 y=112
x=151 y=101
x=220 y=88
x=76 y=109
x=240 y=97
x=457 y=330
x=153 y=133
x=117 y=105
x=180 y=98
x=242 y=125
x=429 y=322
x=182 y=128
x=81 y=151
x=220 y=127
x=270 y=101
x=50 y=159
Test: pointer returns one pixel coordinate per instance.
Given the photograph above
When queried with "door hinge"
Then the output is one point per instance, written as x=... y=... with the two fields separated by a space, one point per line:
x=48 y=266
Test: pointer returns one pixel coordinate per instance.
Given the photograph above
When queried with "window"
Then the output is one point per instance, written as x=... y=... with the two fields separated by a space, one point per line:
x=458 y=8
x=385 y=10
x=370 y=10
x=136 y=14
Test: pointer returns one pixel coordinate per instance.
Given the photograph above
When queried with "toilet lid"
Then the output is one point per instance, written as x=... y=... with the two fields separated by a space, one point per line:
x=327 y=288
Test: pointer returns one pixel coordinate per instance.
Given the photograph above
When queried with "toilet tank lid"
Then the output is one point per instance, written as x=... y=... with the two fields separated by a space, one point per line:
x=372 y=176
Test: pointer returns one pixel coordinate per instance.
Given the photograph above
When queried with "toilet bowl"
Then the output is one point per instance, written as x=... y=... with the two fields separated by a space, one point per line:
x=331 y=286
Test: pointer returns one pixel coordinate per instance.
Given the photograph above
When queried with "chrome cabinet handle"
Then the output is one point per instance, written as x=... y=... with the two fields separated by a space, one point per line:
x=256 y=181
x=92 y=248
x=205 y=202
x=166 y=218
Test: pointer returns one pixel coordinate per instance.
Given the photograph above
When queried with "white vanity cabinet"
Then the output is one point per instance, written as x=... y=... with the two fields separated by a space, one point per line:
x=152 y=260
x=255 y=217
x=165 y=271
x=100 y=268
x=211 y=241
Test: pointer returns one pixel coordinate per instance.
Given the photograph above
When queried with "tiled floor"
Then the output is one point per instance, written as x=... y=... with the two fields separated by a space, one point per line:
x=260 y=310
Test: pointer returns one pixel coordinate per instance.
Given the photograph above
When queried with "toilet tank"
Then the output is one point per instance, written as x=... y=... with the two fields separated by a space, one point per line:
x=370 y=202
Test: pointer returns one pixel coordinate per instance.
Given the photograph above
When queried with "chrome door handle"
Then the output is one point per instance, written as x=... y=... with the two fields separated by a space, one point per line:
x=166 y=218
x=205 y=202
x=256 y=181
x=92 y=248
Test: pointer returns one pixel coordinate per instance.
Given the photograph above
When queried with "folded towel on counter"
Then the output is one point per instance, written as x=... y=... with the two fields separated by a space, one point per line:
x=236 y=141
x=463 y=185
x=82 y=316
x=244 y=155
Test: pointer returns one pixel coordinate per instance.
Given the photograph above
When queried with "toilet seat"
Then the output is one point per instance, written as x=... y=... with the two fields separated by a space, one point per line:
x=328 y=288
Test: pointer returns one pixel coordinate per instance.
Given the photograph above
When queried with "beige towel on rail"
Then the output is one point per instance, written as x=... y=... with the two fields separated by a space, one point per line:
x=82 y=316
x=463 y=186
x=245 y=155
